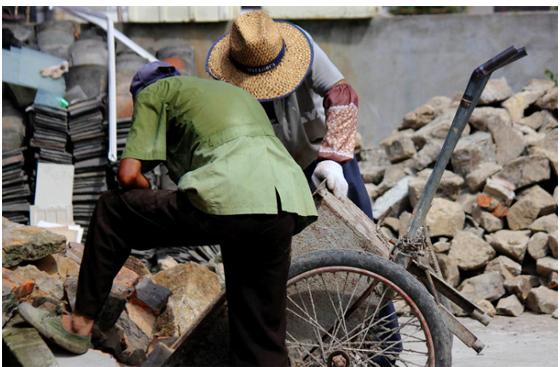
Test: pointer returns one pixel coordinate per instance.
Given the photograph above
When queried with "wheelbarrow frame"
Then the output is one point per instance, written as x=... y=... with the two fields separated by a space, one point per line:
x=342 y=225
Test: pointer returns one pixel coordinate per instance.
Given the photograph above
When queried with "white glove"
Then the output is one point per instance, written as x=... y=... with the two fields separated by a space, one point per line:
x=332 y=172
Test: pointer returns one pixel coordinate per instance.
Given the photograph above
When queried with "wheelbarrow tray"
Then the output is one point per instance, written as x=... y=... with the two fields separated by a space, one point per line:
x=341 y=225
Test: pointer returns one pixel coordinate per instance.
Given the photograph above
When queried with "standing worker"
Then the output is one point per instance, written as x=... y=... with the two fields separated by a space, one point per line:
x=312 y=109
x=237 y=187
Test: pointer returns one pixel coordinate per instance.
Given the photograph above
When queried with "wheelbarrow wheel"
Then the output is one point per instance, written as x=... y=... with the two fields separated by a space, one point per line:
x=349 y=308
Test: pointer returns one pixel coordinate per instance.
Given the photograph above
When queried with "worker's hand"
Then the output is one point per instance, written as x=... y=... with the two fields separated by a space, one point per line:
x=332 y=172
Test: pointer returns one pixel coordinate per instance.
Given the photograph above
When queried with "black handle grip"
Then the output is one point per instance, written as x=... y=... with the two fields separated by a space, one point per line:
x=505 y=57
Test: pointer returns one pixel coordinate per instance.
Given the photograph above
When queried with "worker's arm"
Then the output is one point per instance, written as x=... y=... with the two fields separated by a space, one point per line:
x=130 y=174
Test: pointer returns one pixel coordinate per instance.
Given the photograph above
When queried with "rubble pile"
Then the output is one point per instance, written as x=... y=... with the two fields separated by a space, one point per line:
x=493 y=222
x=143 y=308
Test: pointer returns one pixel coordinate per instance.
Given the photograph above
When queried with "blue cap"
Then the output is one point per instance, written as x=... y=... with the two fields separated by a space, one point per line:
x=150 y=73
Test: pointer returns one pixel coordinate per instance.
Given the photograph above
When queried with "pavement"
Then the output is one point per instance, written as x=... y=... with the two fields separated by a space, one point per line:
x=529 y=340
x=524 y=341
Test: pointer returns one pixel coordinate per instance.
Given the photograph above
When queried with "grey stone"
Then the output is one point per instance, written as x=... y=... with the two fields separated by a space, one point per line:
x=505 y=266
x=439 y=104
x=509 y=306
x=134 y=341
x=470 y=252
x=467 y=201
x=392 y=223
x=484 y=117
x=549 y=125
x=444 y=218
x=437 y=129
x=404 y=221
x=553 y=243
x=536 y=119
x=552 y=280
x=421 y=116
x=471 y=151
x=477 y=231
x=549 y=100
x=517 y=103
x=393 y=174
x=193 y=287
x=477 y=178
x=539 y=85
x=393 y=200
x=399 y=146
x=542 y=300
x=532 y=203
x=501 y=189
x=547 y=147
x=50 y=284
x=509 y=142
x=28 y=347
x=510 y=243
x=442 y=246
x=496 y=90
x=538 y=245
x=486 y=220
x=167 y=262
x=489 y=286
x=151 y=295
x=526 y=170
x=371 y=173
x=521 y=285
x=449 y=269
x=530 y=136
x=555 y=314
x=449 y=186
x=27 y=243
x=547 y=265
x=427 y=155
x=547 y=223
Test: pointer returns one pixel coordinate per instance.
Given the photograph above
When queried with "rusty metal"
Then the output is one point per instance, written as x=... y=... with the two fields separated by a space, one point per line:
x=338 y=359
x=460 y=331
x=471 y=96
x=450 y=293
x=387 y=297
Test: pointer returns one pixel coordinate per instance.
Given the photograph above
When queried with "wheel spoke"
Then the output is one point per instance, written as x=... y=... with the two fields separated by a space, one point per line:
x=355 y=320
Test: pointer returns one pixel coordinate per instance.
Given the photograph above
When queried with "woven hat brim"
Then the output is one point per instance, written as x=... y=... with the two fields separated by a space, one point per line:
x=275 y=83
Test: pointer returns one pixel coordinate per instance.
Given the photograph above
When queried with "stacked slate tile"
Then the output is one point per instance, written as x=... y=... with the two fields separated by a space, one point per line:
x=88 y=134
x=50 y=134
x=123 y=127
x=15 y=186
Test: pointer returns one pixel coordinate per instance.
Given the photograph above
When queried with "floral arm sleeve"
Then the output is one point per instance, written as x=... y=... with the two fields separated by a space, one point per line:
x=341 y=112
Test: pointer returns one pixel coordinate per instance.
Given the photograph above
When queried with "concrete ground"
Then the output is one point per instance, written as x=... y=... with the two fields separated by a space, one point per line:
x=529 y=340
x=524 y=341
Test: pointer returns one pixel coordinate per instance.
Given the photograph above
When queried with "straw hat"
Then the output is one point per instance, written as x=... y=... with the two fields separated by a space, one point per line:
x=268 y=59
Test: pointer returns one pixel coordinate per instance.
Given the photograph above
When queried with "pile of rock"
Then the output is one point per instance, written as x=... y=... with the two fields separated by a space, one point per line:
x=143 y=308
x=494 y=220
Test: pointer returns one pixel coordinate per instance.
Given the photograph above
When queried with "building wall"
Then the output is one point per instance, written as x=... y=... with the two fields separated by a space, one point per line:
x=398 y=63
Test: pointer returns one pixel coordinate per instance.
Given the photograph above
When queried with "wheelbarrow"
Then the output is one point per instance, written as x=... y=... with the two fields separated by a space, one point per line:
x=356 y=298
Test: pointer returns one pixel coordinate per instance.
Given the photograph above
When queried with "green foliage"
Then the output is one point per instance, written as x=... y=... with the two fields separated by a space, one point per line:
x=550 y=75
x=415 y=10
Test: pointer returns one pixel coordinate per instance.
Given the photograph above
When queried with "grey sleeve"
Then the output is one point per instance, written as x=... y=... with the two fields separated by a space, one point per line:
x=324 y=74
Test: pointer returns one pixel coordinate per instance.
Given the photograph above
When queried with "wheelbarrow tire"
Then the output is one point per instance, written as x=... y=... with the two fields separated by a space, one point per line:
x=440 y=334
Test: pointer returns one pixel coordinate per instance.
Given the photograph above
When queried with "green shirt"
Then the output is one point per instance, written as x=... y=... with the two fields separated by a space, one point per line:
x=219 y=147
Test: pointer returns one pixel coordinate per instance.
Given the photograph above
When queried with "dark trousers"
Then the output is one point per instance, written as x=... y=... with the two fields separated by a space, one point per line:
x=255 y=251
x=358 y=194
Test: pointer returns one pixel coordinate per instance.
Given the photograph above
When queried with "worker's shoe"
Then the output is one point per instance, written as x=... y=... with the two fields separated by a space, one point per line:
x=49 y=325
